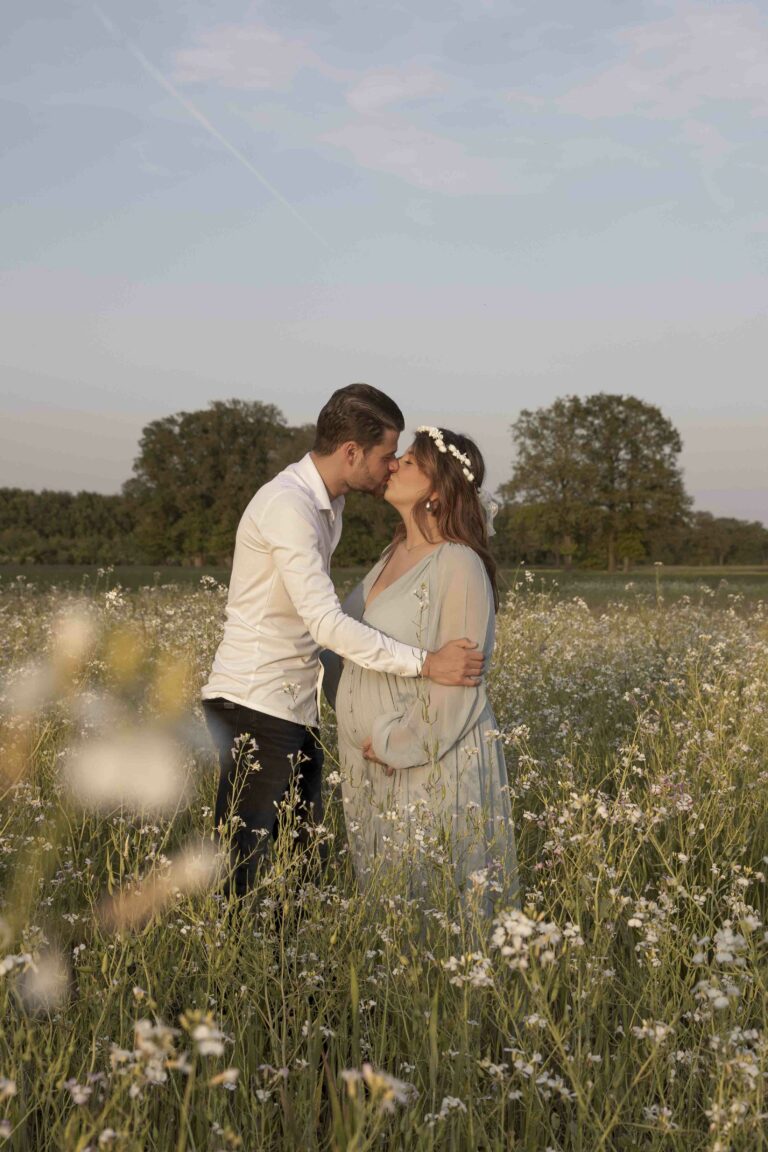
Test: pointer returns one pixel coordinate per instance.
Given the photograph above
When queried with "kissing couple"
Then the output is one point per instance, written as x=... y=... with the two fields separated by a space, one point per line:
x=420 y=757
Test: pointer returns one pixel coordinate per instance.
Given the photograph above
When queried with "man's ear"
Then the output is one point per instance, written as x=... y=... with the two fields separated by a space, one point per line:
x=352 y=451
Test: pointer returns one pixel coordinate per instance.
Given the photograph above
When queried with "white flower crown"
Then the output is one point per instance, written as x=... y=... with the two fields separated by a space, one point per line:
x=437 y=435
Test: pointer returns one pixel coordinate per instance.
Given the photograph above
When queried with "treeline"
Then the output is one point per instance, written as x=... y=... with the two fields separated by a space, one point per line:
x=595 y=483
x=193 y=476
x=66 y=528
x=703 y=540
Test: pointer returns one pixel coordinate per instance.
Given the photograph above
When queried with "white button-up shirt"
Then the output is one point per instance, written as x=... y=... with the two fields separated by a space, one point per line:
x=282 y=607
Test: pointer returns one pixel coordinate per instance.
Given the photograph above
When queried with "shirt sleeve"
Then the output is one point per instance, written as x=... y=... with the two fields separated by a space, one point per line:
x=332 y=663
x=291 y=533
x=441 y=715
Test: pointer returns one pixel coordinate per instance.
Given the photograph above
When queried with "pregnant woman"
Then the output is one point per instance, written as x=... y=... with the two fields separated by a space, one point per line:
x=424 y=782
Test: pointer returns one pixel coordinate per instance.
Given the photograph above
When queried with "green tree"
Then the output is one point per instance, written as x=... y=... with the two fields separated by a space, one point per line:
x=369 y=525
x=636 y=486
x=519 y=537
x=52 y=527
x=602 y=474
x=724 y=539
x=551 y=472
x=197 y=471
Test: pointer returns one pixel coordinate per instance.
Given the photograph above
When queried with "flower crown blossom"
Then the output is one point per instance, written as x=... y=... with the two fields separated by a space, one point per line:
x=437 y=435
x=489 y=505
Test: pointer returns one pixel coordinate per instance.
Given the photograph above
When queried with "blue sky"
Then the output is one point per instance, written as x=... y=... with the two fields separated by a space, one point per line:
x=475 y=206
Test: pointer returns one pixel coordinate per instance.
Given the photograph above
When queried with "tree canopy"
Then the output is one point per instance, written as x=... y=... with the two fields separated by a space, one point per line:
x=601 y=476
x=51 y=527
x=196 y=472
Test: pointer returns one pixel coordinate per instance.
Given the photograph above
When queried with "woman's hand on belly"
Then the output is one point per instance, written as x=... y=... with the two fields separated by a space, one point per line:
x=368 y=755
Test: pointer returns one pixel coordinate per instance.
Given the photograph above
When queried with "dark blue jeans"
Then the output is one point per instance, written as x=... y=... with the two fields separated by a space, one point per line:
x=259 y=779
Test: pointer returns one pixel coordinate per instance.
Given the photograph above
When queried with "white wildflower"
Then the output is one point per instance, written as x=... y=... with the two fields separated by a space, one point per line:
x=654 y=1030
x=209 y=1040
x=449 y=1105
x=80 y=1093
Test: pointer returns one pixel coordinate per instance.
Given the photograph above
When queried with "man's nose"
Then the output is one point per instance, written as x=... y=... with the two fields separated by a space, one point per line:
x=394 y=465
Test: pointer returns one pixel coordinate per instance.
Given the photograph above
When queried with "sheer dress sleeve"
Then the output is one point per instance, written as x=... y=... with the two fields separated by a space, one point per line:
x=461 y=604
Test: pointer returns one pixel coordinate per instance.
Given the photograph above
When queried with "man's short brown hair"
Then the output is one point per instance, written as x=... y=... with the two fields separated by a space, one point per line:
x=358 y=412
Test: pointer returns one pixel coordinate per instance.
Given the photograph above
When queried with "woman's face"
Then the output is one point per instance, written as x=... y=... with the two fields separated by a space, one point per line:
x=408 y=485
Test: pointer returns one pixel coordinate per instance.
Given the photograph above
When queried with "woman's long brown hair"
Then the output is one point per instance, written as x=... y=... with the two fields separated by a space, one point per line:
x=457 y=515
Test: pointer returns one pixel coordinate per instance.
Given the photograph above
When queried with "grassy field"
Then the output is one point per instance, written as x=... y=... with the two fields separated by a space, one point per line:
x=623 y=1007
x=596 y=588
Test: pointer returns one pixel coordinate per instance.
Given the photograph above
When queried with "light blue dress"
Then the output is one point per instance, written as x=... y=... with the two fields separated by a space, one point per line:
x=448 y=800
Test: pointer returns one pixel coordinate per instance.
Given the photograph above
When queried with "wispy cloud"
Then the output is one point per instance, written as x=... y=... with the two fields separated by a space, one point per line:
x=379 y=137
x=593 y=151
x=700 y=70
x=247 y=57
x=686 y=64
x=155 y=74
x=426 y=160
x=378 y=90
x=674 y=68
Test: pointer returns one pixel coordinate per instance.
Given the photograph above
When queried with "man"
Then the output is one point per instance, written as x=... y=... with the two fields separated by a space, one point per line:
x=261 y=698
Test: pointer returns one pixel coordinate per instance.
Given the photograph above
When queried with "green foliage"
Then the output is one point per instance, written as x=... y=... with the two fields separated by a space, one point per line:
x=552 y=472
x=602 y=473
x=196 y=472
x=65 y=528
x=724 y=540
x=595 y=482
x=369 y=524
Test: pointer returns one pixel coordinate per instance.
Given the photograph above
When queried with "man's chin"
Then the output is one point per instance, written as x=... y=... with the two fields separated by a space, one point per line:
x=372 y=489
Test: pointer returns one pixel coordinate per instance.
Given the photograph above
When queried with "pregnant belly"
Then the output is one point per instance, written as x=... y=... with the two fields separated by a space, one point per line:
x=349 y=713
x=363 y=695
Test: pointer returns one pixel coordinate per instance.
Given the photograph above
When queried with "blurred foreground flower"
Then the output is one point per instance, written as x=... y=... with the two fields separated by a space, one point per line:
x=154 y=1052
x=209 y=1040
x=7 y=1088
x=36 y=685
x=44 y=983
x=195 y=869
x=74 y=637
x=227 y=1079
x=204 y=1031
x=386 y=1091
x=141 y=770
x=32 y=687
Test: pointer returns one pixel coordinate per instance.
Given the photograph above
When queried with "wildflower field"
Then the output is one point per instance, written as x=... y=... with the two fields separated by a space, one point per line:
x=623 y=1006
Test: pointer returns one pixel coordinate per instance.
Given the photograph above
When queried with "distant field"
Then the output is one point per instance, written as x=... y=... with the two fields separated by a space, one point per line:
x=715 y=585
x=91 y=576
x=596 y=588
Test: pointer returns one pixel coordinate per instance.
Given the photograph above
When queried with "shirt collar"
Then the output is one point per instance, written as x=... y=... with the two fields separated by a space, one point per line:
x=307 y=471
